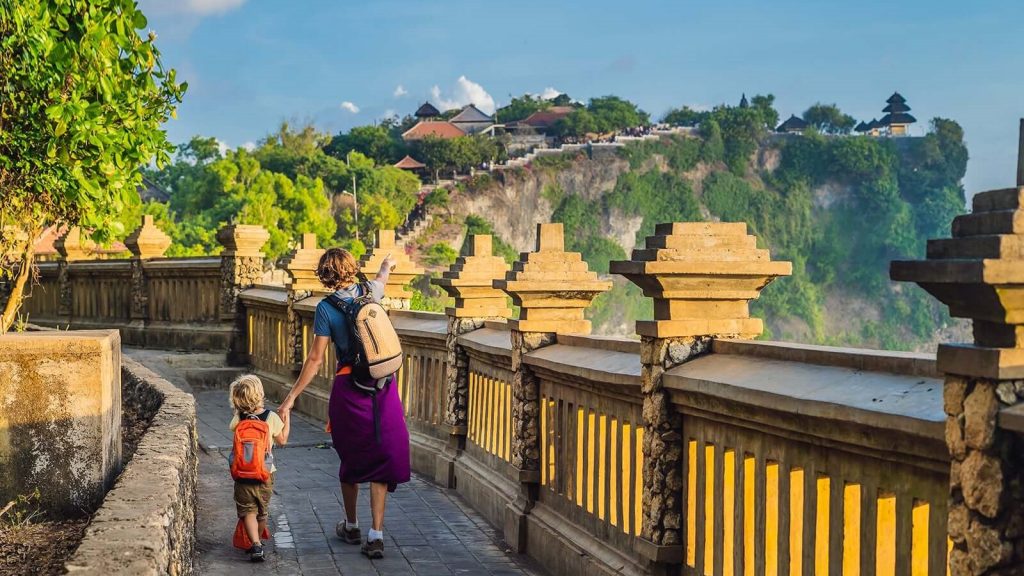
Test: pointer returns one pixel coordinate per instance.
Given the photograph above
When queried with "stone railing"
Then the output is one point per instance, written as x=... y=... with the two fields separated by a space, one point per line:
x=146 y=524
x=690 y=448
x=171 y=303
x=798 y=459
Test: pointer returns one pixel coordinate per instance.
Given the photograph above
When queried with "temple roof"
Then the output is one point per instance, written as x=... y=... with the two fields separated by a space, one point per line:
x=862 y=127
x=896 y=97
x=471 y=114
x=409 y=163
x=546 y=118
x=743 y=101
x=897 y=103
x=897 y=118
x=427 y=110
x=792 y=124
x=425 y=128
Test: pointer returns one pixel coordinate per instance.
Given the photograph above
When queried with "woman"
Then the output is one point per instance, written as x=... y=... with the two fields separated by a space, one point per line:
x=384 y=463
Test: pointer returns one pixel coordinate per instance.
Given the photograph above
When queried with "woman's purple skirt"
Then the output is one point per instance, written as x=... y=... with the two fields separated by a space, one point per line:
x=363 y=459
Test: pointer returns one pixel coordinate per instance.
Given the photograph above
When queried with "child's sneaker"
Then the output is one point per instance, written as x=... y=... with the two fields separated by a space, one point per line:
x=256 y=553
x=374 y=549
x=348 y=535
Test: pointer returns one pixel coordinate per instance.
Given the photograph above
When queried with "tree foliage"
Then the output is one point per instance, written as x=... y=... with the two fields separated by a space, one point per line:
x=685 y=116
x=828 y=119
x=82 y=98
x=288 y=185
x=601 y=115
x=520 y=108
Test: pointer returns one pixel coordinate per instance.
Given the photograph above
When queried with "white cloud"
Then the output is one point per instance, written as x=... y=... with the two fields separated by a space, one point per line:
x=346 y=105
x=250 y=146
x=223 y=147
x=465 y=92
x=389 y=113
x=550 y=93
x=400 y=91
x=212 y=6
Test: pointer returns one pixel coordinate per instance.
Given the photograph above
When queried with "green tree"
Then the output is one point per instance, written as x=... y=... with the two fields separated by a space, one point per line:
x=521 y=107
x=604 y=114
x=765 y=105
x=376 y=141
x=684 y=116
x=562 y=99
x=82 y=99
x=828 y=119
x=713 y=147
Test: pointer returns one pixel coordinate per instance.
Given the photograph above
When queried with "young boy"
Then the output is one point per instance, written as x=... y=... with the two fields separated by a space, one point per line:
x=253 y=500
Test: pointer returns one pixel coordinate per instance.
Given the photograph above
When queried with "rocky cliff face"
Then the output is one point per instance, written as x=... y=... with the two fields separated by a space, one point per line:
x=515 y=202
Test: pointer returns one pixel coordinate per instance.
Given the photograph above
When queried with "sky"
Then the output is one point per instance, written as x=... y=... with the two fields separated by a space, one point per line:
x=252 y=64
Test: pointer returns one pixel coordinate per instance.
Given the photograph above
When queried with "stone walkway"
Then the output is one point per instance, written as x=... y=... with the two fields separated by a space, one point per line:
x=428 y=530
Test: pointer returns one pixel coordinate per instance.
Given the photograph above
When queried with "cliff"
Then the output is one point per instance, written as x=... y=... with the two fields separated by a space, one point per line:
x=840 y=209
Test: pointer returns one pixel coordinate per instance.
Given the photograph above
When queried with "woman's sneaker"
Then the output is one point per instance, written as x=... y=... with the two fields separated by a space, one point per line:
x=256 y=553
x=374 y=549
x=348 y=535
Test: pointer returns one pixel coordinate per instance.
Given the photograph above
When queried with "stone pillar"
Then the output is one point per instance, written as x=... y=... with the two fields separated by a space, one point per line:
x=470 y=281
x=552 y=288
x=60 y=417
x=71 y=248
x=396 y=295
x=979 y=274
x=301 y=266
x=241 y=266
x=146 y=242
x=702 y=277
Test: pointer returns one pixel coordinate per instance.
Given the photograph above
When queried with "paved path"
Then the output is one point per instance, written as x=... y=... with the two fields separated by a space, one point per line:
x=428 y=530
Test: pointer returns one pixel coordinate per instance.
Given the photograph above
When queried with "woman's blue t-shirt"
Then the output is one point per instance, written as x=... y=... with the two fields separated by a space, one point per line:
x=330 y=322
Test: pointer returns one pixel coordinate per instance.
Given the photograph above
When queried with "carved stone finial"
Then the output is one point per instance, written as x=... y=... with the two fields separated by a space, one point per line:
x=702 y=276
x=979 y=274
x=148 y=241
x=301 y=265
x=71 y=246
x=470 y=280
x=552 y=287
x=243 y=240
x=405 y=269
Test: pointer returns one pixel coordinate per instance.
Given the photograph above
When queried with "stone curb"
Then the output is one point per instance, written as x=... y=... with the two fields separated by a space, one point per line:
x=146 y=524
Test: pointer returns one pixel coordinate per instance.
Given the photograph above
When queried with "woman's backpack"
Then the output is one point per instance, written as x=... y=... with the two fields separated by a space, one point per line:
x=375 y=352
x=250 y=457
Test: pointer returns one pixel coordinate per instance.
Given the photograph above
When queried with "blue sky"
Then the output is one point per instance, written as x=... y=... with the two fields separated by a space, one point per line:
x=252 y=63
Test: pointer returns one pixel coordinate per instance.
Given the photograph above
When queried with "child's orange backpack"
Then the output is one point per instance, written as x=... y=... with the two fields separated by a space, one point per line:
x=251 y=459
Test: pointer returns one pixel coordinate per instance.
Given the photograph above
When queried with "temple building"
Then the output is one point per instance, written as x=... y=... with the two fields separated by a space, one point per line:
x=436 y=128
x=543 y=120
x=896 y=119
x=427 y=111
x=409 y=163
x=793 y=125
x=472 y=120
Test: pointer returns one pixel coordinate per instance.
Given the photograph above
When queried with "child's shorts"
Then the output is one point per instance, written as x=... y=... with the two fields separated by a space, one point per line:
x=253 y=498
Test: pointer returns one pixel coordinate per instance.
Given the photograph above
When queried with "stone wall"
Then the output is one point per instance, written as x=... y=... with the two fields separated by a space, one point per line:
x=146 y=524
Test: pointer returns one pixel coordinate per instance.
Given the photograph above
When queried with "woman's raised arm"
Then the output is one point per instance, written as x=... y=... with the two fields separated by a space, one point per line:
x=313 y=362
x=386 y=266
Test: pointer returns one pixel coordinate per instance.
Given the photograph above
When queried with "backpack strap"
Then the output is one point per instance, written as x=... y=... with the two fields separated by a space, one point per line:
x=262 y=416
x=347 y=314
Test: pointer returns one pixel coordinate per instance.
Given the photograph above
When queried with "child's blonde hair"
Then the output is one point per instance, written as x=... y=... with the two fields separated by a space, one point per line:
x=247 y=394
